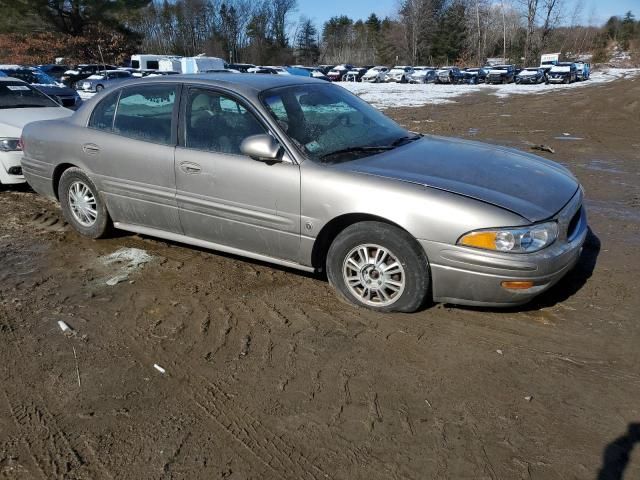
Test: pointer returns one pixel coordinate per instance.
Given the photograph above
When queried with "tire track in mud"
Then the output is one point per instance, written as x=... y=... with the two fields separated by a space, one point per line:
x=273 y=453
x=55 y=453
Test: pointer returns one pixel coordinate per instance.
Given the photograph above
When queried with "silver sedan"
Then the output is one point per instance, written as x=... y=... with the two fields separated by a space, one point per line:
x=302 y=173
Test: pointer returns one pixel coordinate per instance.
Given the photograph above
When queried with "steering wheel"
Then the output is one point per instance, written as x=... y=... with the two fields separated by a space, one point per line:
x=343 y=117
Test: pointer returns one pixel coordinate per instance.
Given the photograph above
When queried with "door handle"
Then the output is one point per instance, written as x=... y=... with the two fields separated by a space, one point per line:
x=90 y=148
x=191 y=168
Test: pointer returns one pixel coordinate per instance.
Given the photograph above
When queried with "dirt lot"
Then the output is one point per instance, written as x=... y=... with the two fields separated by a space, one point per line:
x=269 y=377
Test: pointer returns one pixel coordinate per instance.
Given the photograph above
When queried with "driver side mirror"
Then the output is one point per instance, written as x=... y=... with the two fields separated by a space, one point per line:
x=261 y=147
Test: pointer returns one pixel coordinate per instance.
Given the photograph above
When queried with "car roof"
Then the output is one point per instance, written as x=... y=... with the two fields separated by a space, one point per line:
x=243 y=82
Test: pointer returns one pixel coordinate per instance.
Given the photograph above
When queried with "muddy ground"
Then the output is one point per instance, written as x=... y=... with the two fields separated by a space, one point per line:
x=268 y=376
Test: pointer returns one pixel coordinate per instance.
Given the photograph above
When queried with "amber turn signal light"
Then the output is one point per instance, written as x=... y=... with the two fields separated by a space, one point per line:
x=516 y=285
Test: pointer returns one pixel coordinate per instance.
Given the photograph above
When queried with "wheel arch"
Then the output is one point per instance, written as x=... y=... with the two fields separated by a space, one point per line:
x=57 y=175
x=334 y=227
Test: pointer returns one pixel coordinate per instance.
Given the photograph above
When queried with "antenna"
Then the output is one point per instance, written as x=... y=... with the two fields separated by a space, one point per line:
x=104 y=65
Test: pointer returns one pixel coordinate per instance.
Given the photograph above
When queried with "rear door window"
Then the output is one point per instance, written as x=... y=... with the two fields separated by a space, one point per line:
x=102 y=115
x=146 y=113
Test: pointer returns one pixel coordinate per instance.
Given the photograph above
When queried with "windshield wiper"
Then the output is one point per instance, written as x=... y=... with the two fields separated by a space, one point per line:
x=373 y=148
x=406 y=139
x=362 y=149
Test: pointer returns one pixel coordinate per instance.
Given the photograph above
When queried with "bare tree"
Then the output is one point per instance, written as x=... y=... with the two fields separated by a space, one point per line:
x=531 y=10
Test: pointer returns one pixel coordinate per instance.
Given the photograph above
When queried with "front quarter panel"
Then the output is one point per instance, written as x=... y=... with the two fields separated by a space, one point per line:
x=426 y=213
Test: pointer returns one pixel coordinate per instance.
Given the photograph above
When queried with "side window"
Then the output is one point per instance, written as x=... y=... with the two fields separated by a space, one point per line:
x=145 y=113
x=102 y=115
x=217 y=123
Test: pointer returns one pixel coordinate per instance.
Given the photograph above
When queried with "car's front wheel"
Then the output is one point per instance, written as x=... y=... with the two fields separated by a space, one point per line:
x=82 y=205
x=378 y=266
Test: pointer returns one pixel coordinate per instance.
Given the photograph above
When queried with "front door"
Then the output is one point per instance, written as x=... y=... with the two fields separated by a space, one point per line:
x=226 y=197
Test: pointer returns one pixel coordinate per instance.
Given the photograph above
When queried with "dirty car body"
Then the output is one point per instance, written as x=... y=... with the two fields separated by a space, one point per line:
x=302 y=173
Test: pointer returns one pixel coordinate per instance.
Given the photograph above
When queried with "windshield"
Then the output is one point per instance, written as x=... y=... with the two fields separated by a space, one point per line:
x=19 y=95
x=325 y=119
x=34 y=77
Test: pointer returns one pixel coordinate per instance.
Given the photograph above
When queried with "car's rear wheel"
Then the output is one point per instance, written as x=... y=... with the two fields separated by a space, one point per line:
x=378 y=266
x=82 y=205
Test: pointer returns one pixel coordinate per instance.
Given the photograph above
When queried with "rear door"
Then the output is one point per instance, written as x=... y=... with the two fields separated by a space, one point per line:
x=130 y=147
x=224 y=196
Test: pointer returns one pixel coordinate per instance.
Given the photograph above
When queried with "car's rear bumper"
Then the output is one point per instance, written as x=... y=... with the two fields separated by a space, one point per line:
x=468 y=276
x=10 y=168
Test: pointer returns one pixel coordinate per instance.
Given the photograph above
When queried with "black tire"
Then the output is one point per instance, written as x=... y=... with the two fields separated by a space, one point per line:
x=99 y=88
x=102 y=225
x=400 y=245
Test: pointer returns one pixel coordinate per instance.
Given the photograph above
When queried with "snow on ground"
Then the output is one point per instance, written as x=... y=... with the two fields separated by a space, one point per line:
x=389 y=95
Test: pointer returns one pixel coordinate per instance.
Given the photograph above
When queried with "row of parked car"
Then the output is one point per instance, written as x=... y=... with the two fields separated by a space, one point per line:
x=560 y=72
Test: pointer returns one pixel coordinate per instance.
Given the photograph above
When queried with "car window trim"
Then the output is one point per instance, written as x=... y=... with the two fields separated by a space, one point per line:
x=246 y=104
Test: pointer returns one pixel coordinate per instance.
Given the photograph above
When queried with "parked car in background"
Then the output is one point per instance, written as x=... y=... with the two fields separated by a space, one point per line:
x=54 y=70
x=423 y=75
x=269 y=70
x=241 y=67
x=337 y=73
x=563 y=72
x=399 y=74
x=501 y=74
x=583 y=70
x=451 y=75
x=82 y=71
x=325 y=68
x=102 y=80
x=20 y=103
x=531 y=75
x=475 y=75
x=316 y=73
x=355 y=74
x=307 y=175
x=375 y=74
x=65 y=96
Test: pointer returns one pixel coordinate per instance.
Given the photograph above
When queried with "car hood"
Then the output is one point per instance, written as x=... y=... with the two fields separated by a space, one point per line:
x=530 y=186
x=12 y=120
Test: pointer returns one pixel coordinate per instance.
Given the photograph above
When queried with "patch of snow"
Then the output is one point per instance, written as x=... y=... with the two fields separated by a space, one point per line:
x=390 y=95
x=132 y=258
x=127 y=261
x=11 y=67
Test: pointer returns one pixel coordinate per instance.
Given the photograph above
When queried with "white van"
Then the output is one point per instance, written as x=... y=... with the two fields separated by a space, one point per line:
x=170 y=64
x=146 y=62
x=200 y=64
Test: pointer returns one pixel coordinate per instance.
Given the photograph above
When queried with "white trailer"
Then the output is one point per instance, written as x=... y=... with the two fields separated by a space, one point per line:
x=146 y=62
x=200 y=64
x=170 y=64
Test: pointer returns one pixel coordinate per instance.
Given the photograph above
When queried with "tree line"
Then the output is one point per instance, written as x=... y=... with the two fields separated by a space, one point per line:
x=433 y=32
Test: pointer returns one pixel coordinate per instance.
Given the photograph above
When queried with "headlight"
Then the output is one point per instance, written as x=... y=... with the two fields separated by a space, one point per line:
x=513 y=240
x=10 y=145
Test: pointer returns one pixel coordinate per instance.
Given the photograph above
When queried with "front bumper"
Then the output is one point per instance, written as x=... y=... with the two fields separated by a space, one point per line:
x=558 y=79
x=11 y=168
x=467 y=276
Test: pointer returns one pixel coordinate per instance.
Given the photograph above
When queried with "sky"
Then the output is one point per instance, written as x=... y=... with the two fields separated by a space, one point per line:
x=321 y=10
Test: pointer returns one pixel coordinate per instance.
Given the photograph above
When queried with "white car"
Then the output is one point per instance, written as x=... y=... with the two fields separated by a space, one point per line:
x=375 y=74
x=20 y=104
x=399 y=74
